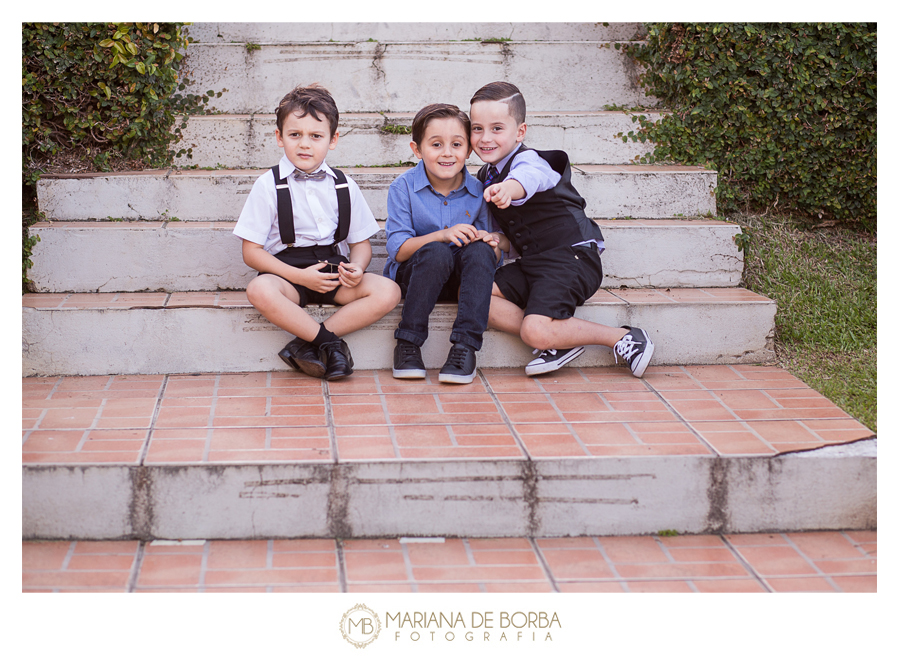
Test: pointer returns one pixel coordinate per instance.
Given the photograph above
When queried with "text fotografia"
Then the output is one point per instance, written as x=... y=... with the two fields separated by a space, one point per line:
x=481 y=626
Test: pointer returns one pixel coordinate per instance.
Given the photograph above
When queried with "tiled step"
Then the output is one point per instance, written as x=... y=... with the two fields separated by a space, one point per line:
x=103 y=333
x=834 y=561
x=580 y=452
x=258 y=33
x=379 y=76
x=611 y=191
x=694 y=253
x=244 y=141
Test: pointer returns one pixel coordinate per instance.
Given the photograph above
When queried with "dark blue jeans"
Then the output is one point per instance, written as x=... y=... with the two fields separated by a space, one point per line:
x=434 y=273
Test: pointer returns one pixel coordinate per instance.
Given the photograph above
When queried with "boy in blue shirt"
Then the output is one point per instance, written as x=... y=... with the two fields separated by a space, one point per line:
x=439 y=245
x=542 y=216
x=289 y=226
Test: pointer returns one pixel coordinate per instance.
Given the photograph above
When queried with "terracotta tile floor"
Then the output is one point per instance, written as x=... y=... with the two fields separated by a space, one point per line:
x=783 y=562
x=284 y=416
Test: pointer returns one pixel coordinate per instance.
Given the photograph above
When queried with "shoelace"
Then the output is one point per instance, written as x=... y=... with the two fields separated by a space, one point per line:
x=407 y=350
x=626 y=347
x=457 y=357
x=545 y=352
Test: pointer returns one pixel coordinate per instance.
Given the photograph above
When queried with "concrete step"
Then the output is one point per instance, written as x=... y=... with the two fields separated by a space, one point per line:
x=245 y=141
x=259 y=33
x=611 y=191
x=688 y=253
x=373 y=76
x=150 y=333
x=581 y=452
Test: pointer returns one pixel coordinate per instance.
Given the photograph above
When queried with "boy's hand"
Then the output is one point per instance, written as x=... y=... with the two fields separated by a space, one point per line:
x=495 y=240
x=350 y=274
x=459 y=234
x=502 y=194
x=497 y=195
x=315 y=279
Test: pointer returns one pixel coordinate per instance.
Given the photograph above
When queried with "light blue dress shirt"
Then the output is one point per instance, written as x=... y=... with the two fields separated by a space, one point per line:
x=533 y=173
x=415 y=209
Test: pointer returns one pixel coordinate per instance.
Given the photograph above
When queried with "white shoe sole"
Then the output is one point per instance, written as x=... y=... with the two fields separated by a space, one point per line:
x=541 y=368
x=456 y=379
x=408 y=374
x=640 y=364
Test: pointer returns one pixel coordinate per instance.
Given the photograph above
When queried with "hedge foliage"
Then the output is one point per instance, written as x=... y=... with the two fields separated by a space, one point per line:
x=785 y=112
x=101 y=93
x=108 y=90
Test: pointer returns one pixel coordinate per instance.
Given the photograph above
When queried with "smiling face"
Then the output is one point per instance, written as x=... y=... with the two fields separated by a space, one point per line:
x=495 y=133
x=306 y=141
x=443 y=149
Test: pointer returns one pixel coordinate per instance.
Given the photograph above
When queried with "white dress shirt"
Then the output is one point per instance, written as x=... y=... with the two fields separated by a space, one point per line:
x=315 y=209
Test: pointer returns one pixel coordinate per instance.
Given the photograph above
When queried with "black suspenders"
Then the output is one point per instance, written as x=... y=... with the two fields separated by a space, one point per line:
x=286 y=211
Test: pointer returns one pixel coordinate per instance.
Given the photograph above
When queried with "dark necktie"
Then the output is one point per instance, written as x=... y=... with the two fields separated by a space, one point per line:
x=301 y=175
x=492 y=174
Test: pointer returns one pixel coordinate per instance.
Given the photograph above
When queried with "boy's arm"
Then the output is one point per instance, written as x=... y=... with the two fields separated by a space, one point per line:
x=262 y=261
x=402 y=241
x=360 y=256
x=528 y=175
x=503 y=194
x=458 y=234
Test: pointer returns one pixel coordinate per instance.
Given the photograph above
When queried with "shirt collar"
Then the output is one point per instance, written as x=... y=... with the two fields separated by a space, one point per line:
x=500 y=165
x=286 y=168
x=420 y=180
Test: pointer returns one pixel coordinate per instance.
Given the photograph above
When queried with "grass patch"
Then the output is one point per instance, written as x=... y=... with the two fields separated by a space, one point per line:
x=825 y=284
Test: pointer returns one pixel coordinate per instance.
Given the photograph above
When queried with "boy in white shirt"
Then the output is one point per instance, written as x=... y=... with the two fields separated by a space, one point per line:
x=309 y=262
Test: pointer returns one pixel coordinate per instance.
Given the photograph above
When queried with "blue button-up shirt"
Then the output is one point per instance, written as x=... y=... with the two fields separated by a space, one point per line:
x=415 y=209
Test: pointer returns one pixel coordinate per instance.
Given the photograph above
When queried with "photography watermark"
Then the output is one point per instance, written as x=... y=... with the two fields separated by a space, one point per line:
x=360 y=626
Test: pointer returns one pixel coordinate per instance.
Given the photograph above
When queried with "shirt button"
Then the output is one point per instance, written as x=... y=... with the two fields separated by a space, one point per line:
x=525 y=248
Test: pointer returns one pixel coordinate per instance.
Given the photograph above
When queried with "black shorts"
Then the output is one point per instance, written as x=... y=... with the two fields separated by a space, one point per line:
x=304 y=257
x=552 y=283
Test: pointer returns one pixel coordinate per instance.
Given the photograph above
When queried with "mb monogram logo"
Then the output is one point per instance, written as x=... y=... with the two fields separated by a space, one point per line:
x=360 y=626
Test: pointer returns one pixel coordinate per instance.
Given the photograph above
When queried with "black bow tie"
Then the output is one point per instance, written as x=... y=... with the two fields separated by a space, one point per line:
x=302 y=175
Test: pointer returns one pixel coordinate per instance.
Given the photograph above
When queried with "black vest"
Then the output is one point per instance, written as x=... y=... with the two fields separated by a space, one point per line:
x=549 y=219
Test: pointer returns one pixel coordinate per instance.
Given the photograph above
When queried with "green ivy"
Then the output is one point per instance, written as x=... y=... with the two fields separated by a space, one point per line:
x=101 y=93
x=785 y=112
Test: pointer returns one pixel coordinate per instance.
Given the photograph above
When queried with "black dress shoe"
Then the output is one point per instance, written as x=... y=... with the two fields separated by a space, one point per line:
x=338 y=361
x=303 y=356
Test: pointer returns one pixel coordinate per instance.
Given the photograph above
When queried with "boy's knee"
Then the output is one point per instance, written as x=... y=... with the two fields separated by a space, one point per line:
x=267 y=290
x=536 y=332
x=260 y=290
x=480 y=250
x=434 y=256
x=383 y=289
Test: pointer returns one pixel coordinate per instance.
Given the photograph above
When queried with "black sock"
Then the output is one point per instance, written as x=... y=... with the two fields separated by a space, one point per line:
x=324 y=336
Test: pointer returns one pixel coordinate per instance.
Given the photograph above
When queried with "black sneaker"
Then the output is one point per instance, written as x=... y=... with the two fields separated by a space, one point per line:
x=303 y=356
x=408 y=361
x=339 y=362
x=460 y=365
x=550 y=360
x=636 y=348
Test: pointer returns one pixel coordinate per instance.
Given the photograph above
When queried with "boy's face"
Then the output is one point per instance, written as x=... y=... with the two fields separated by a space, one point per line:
x=494 y=132
x=306 y=141
x=444 y=149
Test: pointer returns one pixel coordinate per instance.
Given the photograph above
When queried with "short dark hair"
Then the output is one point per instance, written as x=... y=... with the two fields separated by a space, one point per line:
x=314 y=100
x=438 y=111
x=505 y=92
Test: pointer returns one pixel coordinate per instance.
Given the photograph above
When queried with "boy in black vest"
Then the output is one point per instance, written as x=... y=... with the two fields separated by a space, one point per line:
x=543 y=219
x=296 y=225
